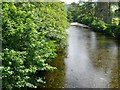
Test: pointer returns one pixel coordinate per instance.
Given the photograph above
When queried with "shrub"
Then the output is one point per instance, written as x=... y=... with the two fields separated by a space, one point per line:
x=31 y=34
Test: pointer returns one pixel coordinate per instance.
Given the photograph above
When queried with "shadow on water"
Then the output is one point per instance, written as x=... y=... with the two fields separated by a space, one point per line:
x=92 y=62
x=55 y=79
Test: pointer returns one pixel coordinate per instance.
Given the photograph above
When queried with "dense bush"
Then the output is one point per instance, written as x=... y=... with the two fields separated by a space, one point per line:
x=114 y=30
x=32 y=32
x=98 y=24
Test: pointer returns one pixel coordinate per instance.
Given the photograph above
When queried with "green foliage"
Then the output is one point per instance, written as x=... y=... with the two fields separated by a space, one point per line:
x=114 y=30
x=115 y=21
x=85 y=13
x=80 y=12
x=32 y=32
x=73 y=11
x=98 y=24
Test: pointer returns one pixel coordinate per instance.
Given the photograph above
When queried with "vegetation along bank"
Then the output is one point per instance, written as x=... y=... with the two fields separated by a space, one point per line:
x=32 y=33
x=100 y=16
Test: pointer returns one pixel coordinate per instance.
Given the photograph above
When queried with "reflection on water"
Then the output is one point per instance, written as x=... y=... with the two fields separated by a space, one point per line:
x=92 y=61
x=56 y=78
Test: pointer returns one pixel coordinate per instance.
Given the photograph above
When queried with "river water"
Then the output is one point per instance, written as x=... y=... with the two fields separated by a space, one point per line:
x=92 y=62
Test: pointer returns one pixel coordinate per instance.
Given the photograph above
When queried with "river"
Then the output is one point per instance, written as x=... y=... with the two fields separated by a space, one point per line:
x=92 y=61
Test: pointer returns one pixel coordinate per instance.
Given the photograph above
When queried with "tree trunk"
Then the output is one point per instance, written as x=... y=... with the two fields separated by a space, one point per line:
x=102 y=11
x=119 y=11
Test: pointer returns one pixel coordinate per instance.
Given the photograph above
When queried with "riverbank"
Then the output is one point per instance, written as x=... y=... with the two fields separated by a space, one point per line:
x=79 y=24
x=81 y=14
x=108 y=30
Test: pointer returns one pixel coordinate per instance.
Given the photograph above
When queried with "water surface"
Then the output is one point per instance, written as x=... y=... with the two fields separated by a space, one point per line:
x=92 y=62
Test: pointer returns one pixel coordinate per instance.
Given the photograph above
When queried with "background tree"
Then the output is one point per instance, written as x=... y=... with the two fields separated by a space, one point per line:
x=96 y=15
x=119 y=11
x=103 y=11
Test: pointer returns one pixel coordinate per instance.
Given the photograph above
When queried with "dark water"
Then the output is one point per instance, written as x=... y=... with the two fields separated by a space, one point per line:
x=92 y=62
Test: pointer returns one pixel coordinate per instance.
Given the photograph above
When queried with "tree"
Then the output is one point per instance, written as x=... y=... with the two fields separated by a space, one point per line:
x=103 y=11
x=119 y=11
